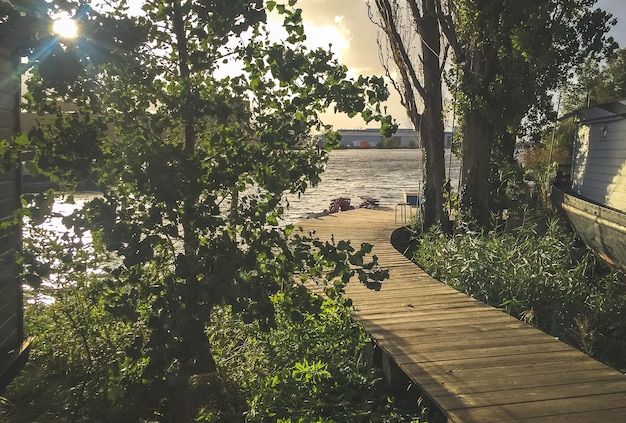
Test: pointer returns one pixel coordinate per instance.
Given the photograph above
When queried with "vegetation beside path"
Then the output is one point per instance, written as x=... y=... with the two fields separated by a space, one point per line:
x=539 y=273
x=309 y=367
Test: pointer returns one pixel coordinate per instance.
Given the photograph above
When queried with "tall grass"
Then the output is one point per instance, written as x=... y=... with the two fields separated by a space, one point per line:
x=545 y=278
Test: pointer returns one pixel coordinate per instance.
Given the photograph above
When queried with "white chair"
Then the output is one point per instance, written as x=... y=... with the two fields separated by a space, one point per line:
x=411 y=200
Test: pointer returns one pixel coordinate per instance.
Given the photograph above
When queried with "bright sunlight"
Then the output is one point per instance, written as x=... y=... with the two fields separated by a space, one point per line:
x=65 y=27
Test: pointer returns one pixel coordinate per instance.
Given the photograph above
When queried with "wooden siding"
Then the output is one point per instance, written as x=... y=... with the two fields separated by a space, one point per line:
x=599 y=167
x=12 y=347
x=474 y=362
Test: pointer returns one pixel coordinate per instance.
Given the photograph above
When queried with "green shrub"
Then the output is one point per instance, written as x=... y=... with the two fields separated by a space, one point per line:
x=84 y=365
x=308 y=369
x=76 y=344
x=542 y=277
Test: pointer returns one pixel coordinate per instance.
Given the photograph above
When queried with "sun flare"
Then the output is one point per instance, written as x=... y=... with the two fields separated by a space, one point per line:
x=65 y=27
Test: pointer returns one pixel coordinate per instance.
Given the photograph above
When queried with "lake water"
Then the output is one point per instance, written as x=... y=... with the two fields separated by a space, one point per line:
x=382 y=174
x=379 y=173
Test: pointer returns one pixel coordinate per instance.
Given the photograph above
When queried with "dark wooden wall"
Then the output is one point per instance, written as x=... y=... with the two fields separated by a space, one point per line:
x=12 y=348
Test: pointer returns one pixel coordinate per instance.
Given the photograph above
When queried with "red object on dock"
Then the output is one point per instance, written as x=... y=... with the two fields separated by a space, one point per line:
x=339 y=204
x=368 y=202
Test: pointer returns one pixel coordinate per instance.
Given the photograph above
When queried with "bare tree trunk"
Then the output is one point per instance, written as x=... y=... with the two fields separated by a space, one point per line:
x=478 y=136
x=182 y=403
x=421 y=78
x=477 y=143
x=432 y=119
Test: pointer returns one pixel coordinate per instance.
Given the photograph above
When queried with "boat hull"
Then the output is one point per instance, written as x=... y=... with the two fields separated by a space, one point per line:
x=602 y=229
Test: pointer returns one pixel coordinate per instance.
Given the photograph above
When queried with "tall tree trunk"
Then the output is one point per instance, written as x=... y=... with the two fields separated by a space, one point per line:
x=182 y=403
x=478 y=134
x=432 y=133
x=477 y=143
x=426 y=86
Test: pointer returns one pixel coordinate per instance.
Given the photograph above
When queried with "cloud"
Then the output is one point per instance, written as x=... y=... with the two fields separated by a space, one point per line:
x=351 y=20
x=354 y=39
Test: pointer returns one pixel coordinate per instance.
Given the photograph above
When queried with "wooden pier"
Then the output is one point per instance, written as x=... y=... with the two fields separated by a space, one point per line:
x=474 y=362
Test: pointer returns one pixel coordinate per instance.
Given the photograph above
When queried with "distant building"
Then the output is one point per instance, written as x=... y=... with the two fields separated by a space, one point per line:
x=371 y=137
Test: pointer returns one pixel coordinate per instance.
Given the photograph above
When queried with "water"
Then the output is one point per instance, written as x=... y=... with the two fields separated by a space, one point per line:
x=382 y=174
x=379 y=173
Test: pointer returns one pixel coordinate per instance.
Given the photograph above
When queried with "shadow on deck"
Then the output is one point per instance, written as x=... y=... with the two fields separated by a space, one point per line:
x=472 y=362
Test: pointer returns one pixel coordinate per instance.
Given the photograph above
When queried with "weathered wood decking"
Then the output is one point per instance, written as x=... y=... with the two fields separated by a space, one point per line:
x=477 y=364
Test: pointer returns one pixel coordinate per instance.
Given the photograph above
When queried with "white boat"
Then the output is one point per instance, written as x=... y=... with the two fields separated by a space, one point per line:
x=594 y=197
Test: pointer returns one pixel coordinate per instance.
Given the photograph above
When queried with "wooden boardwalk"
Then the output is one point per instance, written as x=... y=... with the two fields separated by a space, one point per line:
x=475 y=363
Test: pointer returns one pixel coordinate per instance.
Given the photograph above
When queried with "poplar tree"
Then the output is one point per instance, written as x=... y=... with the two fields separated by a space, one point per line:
x=413 y=38
x=510 y=57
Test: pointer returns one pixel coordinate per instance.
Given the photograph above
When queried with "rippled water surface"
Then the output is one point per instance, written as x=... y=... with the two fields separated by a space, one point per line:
x=382 y=174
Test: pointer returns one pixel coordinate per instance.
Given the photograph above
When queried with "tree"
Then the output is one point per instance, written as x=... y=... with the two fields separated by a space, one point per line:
x=613 y=79
x=510 y=57
x=420 y=87
x=597 y=83
x=212 y=124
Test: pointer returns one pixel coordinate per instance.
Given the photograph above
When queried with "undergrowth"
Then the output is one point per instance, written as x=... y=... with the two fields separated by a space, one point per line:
x=543 y=276
x=308 y=368
x=305 y=370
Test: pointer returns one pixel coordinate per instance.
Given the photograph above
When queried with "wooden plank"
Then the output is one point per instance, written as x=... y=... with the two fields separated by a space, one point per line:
x=552 y=379
x=608 y=416
x=9 y=242
x=12 y=176
x=456 y=381
x=455 y=357
x=11 y=325
x=609 y=406
x=9 y=189
x=7 y=206
x=476 y=363
x=580 y=389
x=476 y=346
x=9 y=334
x=441 y=341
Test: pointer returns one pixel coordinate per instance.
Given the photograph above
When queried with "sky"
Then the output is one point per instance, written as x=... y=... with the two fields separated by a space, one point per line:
x=345 y=24
x=618 y=9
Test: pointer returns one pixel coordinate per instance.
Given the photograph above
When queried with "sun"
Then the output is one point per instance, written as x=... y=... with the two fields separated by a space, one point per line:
x=65 y=27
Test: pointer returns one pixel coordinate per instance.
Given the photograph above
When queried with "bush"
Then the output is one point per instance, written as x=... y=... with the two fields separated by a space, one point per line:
x=545 y=278
x=76 y=342
x=82 y=368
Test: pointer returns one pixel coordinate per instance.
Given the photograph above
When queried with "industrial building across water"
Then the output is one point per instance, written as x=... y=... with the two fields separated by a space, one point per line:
x=371 y=137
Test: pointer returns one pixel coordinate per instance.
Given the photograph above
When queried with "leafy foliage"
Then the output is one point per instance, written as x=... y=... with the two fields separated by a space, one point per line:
x=598 y=83
x=194 y=125
x=76 y=341
x=314 y=370
x=510 y=59
x=86 y=366
x=541 y=275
